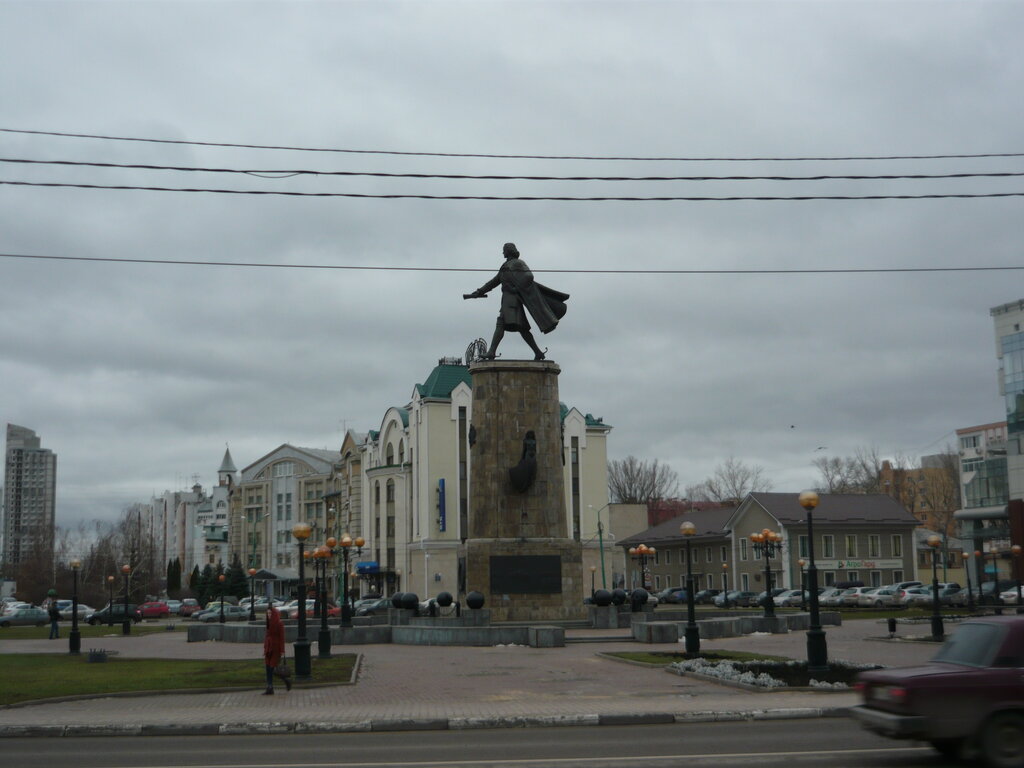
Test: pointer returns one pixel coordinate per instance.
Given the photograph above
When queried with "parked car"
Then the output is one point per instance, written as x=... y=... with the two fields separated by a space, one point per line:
x=24 y=616
x=916 y=596
x=10 y=607
x=791 y=598
x=737 y=599
x=155 y=609
x=880 y=597
x=374 y=607
x=830 y=596
x=115 y=614
x=188 y=606
x=990 y=590
x=706 y=596
x=967 y=702
x=174 y=606
x=1009 y=596
x=231 y=613
x=906 y=584
x=673 y=595
x=851 y=596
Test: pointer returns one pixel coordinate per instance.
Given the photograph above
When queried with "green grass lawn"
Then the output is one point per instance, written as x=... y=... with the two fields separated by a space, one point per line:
x=46 y=675
x=87 y=632
x=665 y=658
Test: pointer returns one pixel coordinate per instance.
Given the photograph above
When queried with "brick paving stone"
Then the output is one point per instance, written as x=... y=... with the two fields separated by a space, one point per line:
x=465 y=687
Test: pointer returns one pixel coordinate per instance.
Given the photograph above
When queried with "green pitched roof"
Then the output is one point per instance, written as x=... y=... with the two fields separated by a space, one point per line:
x=443 y=379
x=588 y=418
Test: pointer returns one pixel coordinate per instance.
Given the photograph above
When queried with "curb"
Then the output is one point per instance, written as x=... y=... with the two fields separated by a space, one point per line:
x=426 y=724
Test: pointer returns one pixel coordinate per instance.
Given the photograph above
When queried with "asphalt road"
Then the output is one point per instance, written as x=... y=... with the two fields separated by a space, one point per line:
x=832 y=743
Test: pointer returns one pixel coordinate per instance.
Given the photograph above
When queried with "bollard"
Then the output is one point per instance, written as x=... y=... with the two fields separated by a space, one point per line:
x=892 y=627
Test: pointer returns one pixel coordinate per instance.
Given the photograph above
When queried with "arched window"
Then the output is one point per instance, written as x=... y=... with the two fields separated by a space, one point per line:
x=401 y=451
x=390 y=456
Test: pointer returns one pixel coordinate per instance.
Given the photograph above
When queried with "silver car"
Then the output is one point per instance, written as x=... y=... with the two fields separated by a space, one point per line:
x=20 y=617
x=879 y=597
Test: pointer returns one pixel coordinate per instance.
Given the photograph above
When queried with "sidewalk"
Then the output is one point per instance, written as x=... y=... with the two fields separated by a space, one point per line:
x=403 y=687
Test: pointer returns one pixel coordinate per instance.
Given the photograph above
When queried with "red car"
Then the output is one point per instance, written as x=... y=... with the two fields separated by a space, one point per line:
x=188 y=606
x=155 y=609
x=967 y=702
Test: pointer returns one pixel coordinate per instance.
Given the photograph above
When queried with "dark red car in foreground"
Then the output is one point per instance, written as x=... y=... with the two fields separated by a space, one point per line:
x=967 y=702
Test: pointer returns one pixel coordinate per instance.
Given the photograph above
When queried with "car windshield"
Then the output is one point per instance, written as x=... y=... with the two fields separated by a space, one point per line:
x=972 y=645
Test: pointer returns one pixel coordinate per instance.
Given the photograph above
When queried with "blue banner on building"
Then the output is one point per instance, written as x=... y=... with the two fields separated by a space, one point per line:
x=441 y=518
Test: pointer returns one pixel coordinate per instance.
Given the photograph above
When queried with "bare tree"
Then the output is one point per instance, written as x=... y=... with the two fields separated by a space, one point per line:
x=730 y=482
x=851 y=474
x=632 y=481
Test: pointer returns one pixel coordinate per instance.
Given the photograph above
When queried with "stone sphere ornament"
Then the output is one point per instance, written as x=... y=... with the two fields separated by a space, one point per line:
x=444 y=599
x=602 y=597
x=475 y=600
x=396 y=599
x=618 y=596
x=638 y=596
x=410 y=601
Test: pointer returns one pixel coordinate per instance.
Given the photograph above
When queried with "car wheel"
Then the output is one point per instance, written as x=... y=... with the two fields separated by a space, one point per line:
x=5 y=624
x=1002 y=740
x=878 y=603
x=949 y=748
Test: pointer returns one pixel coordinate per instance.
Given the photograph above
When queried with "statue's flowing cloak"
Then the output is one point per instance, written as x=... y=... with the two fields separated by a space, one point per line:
x=545 y=305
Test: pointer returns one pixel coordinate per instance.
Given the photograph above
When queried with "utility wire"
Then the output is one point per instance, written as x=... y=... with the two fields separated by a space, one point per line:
x=283 y=173
x=508 y=157
x=560 y=198
x=269 y=265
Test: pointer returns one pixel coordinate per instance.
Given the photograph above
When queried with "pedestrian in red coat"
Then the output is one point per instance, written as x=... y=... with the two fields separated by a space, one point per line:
x=273 y=650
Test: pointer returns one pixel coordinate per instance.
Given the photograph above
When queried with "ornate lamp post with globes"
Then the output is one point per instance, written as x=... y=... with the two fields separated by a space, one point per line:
x=126 y=625
x=970 y=591
x=110 y=601
x=1016 y=551
x=692 y=631
x=320 y=557
x=817 y=647
x=303 y=667
x=252 y=594
x=803 y=584
x=725 y=585
x=220 y=580
x=75 y=638
x=768 y=543
x=642 y=553
x=935 y=541
x=346 y=543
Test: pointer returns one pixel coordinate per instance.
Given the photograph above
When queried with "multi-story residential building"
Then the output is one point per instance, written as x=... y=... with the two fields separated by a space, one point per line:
x=284 y=487
x=29 y=496
x=865 y=538
x=931 y=492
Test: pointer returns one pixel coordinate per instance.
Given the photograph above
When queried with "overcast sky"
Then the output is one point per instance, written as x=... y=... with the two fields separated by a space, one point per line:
x=137 y=375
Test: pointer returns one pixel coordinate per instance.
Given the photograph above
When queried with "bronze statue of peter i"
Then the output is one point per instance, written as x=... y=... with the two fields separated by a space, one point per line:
x=520 y=294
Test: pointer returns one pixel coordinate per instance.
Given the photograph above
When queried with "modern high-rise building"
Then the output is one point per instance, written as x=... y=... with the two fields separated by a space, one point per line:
x=30 y=481
x=1008 y=320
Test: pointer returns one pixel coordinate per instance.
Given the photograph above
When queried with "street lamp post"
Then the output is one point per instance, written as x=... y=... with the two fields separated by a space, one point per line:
x=303 y=666
x=252 y=594
x=1016 y=551
x=725 y=585
x=320 y=556
x=767 y=543
x=817 y=647
x=593 y=572
x=970 y=591
x=600 y=542
x=934 y=541
x=642 y=553
x=75 y=638
x=346 y=543
x=110 y=601
x=803 y=584
x=126 y=625
x=692 y=631
x=220 y=580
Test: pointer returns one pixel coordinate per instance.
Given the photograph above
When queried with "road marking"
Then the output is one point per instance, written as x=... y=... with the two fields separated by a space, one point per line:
x=624 y=759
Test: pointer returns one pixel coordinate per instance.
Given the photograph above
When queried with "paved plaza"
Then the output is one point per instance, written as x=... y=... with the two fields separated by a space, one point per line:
x=409 y=687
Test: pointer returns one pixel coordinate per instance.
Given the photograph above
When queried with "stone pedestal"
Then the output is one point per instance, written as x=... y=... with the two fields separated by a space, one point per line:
x=518 y=553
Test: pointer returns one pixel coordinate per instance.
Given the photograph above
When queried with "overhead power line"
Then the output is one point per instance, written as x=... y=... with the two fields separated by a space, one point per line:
x=286 y=172
x=552 y=198
x=661 y=158
x=364 y=267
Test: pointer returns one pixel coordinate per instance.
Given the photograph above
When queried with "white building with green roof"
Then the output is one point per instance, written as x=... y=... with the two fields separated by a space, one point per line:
x=415 y=472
